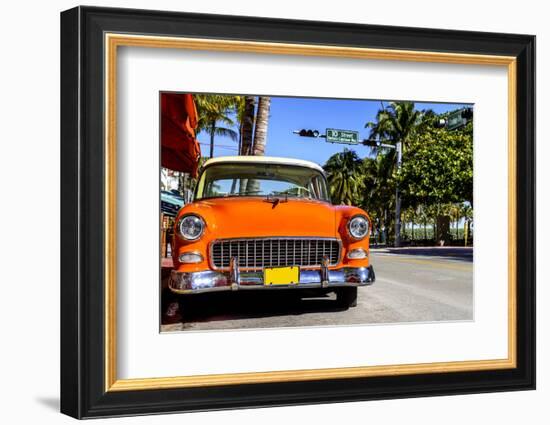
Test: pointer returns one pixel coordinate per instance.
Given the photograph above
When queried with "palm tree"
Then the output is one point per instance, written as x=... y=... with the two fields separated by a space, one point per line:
x=238 y=110
x=262 y=119
x=396 y=123
x=468 y=213
x=345 y=177
x=423 y=214
x=455 y=211
x=410 y=218
x=260 y=137
x=214 y=116
x=379 y=190
x=246 y=108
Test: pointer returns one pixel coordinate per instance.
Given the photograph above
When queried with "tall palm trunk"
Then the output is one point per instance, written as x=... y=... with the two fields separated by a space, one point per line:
x=240 y=146
x=247 y=126
x=247 y=132
x=260 y=137
x=260 y=133
x=212 y=134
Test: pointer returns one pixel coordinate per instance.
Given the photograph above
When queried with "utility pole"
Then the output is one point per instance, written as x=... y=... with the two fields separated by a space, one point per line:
x=398 y=146
x=398 y=149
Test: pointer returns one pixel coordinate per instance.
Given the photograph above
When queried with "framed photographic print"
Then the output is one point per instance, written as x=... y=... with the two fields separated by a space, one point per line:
x=261 y=212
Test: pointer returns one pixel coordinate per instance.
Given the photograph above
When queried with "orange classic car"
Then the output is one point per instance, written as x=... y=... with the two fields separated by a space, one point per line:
x=267 y=223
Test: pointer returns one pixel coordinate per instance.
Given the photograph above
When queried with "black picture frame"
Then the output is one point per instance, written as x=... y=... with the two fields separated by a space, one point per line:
x=83 y=392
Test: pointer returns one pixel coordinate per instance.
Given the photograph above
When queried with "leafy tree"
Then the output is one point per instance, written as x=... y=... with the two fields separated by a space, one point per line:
x=438 y=168
x=437 y=171
x=397 y=123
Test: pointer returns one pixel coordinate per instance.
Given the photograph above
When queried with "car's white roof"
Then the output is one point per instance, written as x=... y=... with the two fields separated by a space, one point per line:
x=264 y=160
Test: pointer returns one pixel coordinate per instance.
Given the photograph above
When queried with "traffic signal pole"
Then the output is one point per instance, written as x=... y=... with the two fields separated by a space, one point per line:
x=397 y=243
x=454 y=121
x=398 y=146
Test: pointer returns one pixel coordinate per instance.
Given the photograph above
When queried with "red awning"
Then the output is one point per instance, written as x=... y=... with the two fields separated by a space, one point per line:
x=180 y=150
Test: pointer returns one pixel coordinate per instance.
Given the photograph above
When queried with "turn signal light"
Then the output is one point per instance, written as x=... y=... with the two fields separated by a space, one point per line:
x=357 y=254
x=190 y=258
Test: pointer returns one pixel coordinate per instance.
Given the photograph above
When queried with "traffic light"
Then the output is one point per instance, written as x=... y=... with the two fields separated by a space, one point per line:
x=308 y=133
x=371 y=143
x=467 y=113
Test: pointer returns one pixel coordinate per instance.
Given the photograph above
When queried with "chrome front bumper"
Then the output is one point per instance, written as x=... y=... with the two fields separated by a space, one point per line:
x=234 y=279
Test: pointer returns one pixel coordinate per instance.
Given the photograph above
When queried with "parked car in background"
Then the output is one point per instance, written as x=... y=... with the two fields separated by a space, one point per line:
x=170 y=202
x=263 y=223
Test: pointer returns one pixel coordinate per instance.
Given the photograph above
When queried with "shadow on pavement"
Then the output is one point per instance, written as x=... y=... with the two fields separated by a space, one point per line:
x=253 y=304
x=49 y=402
x=451 y=253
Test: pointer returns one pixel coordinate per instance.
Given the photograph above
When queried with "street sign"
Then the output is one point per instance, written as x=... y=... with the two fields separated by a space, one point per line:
x=456 y=120
x=349 y=137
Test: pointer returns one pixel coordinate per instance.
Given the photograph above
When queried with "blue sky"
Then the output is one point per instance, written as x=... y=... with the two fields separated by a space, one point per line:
x=289 y=113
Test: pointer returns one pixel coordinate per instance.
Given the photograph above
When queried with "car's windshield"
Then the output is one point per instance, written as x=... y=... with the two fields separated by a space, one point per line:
x=257 y=179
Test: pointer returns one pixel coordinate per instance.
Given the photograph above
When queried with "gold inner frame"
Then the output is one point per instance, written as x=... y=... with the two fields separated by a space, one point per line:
x=113 y=41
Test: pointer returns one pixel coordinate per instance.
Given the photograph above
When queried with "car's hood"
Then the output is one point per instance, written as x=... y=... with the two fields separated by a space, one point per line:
x=256 y=217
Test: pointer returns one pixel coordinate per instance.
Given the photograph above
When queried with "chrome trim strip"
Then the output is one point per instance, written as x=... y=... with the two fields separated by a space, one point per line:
x=208 y=281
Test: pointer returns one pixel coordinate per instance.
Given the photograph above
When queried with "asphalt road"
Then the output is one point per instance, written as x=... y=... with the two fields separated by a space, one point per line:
x=412 y=285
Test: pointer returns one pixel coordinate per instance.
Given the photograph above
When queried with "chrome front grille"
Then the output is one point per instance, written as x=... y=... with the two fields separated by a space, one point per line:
x=273 y=252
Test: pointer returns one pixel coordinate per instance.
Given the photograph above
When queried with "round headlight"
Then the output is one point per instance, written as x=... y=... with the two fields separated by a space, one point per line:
x=191 y=227
x=358 y=227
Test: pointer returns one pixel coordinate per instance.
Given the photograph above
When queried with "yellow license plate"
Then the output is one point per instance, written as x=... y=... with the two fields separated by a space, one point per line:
x=281 y=275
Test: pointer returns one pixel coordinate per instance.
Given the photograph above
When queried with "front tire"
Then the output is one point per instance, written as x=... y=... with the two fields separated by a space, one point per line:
x=346 y=297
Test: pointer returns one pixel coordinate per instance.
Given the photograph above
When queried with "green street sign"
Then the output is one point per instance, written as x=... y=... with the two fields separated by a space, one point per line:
x=456 y=120
x=342 y=136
